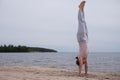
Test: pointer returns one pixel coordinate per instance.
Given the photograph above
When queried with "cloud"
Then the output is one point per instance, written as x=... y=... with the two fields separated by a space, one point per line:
x=54 y=23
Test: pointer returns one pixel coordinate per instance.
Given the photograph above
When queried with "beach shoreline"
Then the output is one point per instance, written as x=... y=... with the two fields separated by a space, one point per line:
x=44 y=73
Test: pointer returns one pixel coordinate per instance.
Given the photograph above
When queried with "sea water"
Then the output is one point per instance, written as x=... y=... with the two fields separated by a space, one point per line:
x=98 y=61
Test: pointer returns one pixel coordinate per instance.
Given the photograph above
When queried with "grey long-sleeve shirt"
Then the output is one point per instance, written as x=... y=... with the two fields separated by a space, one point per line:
x=82 y=28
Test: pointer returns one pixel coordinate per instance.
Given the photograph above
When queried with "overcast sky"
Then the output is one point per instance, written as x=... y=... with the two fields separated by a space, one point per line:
x=53 y=24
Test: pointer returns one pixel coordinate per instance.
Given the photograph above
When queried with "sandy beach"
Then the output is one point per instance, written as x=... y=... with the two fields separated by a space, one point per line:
x=39 y=73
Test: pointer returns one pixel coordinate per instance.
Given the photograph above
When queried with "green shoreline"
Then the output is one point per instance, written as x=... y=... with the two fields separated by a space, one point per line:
x=19 y=48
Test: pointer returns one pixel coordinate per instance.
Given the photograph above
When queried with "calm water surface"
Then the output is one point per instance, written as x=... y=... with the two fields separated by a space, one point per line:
x=102 y=62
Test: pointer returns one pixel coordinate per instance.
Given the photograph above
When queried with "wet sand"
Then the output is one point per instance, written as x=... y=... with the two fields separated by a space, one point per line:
x=40 y=73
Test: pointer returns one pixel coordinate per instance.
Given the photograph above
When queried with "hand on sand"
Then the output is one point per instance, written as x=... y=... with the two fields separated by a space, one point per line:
x=82 y=75
x=86 y=74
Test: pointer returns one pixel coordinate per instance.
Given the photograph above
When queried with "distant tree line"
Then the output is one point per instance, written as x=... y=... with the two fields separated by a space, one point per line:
x=19 y=48
x=11 y=48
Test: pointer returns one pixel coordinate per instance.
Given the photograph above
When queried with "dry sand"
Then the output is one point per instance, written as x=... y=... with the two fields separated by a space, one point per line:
x=38 y=73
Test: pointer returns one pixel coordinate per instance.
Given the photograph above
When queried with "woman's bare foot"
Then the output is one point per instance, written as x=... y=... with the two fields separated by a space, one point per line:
x=82 y=4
